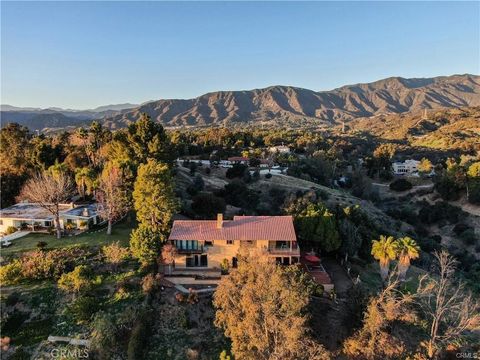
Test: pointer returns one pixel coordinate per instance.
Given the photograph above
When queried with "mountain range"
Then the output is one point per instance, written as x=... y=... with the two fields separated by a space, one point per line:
x=285 y=104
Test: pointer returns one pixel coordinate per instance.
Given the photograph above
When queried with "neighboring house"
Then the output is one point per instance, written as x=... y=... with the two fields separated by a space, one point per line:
x=265 y=163
x=35 y=218
x=206 y=244
x=238 y=160
x=405 y=168
x=225 y=163
x=281 y=149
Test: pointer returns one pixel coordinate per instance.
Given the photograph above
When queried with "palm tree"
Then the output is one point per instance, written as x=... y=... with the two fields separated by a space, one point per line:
x=85 y=179
x=407 y=250
x=384 y=250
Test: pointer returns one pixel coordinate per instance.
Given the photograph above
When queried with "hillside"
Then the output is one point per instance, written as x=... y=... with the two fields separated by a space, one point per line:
x=284 y=104
x=436 y=129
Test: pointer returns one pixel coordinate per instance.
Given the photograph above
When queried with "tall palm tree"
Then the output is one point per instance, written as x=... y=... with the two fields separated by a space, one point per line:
x=407 y=250
x=384 y=250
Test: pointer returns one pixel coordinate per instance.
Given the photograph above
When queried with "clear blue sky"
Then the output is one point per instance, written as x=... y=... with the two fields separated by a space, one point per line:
x=85 y=54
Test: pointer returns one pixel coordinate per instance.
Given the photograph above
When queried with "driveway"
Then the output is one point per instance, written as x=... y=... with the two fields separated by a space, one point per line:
x=338 y=275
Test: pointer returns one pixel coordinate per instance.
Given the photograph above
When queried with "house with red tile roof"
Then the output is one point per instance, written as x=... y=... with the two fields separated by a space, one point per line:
x=206 y=244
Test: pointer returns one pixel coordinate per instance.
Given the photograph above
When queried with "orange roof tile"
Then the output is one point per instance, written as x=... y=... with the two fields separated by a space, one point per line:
x=240 y=228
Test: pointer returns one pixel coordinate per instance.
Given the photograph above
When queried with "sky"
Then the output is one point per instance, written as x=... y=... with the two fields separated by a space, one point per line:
x=81 y=55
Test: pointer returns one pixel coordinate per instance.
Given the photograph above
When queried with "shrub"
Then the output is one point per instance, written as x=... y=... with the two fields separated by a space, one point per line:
x=192 y=296
x=47 y=264
x=138 y=336
x=468 y=237
x=225 y=266
x=83 y=308
x=115 y=254
x=400 y=185
x=10 y=230
x=79 y=280
x=41 y=245
x=268 y=176
x=12 y=299
x=151 y=282
x=460 y=228
x=10 y=273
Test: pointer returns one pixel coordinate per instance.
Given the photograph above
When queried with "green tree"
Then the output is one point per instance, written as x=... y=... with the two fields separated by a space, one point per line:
x=407 y=250
x=148 y=140
x=384 y=250
x=145 y=244
x=316 y=224
x=207 y=206
x=154 y=197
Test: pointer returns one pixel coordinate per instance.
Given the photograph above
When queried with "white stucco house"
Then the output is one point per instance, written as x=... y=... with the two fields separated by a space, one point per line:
x=407 y=167
x=35 y=218
x=280 y=149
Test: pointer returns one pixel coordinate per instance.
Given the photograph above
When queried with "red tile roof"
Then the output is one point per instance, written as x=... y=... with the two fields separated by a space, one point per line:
x=240 y=228
x=237 y=158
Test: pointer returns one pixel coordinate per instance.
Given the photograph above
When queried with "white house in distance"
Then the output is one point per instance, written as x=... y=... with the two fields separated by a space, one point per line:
x=280 y=149
x=407 y=167
x=35 y=218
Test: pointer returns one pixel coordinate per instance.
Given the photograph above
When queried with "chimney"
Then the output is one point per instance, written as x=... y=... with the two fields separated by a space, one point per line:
x=219 y=221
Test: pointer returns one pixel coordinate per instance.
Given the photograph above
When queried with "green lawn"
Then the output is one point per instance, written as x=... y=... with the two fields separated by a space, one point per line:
x=120 y=232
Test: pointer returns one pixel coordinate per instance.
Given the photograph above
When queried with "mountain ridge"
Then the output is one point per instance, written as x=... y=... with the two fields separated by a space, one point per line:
x=392 y=95
x=280 y=105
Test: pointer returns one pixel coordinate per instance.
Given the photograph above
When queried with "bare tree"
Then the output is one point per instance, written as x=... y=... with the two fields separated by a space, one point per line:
x=449 y=308
x=111 y=196
x=49 y=192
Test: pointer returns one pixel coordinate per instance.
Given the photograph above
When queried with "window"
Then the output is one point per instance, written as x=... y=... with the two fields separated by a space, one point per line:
x=1 y=222
x=229 y=242
x=208 y=243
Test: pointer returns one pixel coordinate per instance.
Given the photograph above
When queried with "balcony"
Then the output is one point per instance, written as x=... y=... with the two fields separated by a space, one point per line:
x=196 y=250
x=283 y=251
x=283 y=248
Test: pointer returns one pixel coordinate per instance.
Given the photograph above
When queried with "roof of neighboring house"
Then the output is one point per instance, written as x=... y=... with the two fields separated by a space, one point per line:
x=33 y=211
x=237 y=158
x=240 y=228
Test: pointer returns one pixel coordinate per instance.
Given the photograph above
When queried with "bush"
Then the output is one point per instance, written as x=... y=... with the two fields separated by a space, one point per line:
x=150 y=282
x=236 y=171
x=79 y=280
x=468 y=237
x=10 y=230
x=400 y=185
x=83 y=308
x=225 y=266
x=40 y=265
x=460 y=228
x=138 y=336
x=268 y=176
x=10 y=273
x=41 y=245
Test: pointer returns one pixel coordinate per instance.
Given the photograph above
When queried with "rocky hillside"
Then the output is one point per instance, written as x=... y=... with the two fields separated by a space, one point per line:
x=289 y=104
